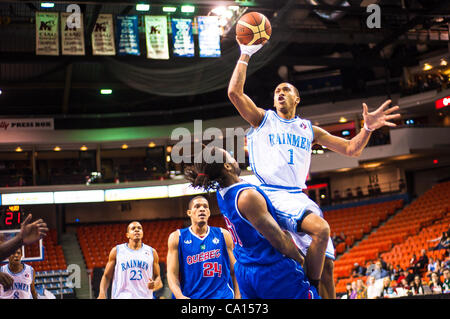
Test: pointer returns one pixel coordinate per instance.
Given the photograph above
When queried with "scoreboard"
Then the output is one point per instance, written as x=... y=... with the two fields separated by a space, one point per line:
x=11 y=217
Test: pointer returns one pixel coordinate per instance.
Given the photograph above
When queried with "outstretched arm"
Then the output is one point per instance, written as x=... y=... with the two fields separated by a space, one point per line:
x=29 y=233
x=245 y=106
x=372 y=121
x=253 y=207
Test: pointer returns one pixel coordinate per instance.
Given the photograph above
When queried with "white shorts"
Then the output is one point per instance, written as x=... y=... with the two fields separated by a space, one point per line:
x=290 y=204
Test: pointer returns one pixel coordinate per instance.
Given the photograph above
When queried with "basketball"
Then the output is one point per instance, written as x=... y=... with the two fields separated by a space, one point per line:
x=253 y=28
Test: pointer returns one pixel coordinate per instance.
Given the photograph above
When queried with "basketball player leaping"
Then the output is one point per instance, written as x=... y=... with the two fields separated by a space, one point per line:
x=200 y=260
x=133 y=268
x=279 y=146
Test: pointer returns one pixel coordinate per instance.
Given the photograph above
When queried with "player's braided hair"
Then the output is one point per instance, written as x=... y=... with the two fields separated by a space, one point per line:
x=206 y=172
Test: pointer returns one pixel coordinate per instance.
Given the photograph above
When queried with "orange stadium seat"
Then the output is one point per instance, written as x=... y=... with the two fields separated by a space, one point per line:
x=405 y=234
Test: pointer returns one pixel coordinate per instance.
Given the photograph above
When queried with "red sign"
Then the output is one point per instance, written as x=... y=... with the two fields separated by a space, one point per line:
x=443 y=103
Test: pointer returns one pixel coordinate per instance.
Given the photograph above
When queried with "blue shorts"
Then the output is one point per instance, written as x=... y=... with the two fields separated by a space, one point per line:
x=284 y=279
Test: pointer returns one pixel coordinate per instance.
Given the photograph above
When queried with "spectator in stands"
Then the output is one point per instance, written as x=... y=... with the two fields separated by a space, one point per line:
x=422 y=263
x=446 y=284
x=412 y=262
x=354 y=292
x=370 y=267
x=379 y=272
x=361 y=290
x=432 y=265
x=358 y=271
x=444 y=241
x=388 y=291
x=416 y=286
x=435 y=284
x=403 y=289
x=348 y=291
x=373 y=291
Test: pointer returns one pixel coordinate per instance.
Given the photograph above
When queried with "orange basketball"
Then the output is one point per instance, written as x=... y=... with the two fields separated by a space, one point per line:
x=253 y=28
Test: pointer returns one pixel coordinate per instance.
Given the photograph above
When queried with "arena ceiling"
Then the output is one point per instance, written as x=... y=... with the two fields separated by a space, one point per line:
x=310 y=39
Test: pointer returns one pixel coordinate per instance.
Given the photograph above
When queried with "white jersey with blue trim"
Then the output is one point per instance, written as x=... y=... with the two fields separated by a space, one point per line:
x=280 y=150
x=21 y=288
x=134 y=269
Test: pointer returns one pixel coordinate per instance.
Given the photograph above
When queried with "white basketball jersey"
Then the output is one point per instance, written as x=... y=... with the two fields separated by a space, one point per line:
x=280 y=150
x=134 y=269
x=21 y=288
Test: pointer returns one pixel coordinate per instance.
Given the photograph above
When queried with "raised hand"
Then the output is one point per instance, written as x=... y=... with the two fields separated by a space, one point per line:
x=380 y=117
x=31 y=233
x=249 y=49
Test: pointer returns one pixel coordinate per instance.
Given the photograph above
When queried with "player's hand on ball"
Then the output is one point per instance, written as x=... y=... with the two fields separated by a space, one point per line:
x=380 y=117
x=250 y=49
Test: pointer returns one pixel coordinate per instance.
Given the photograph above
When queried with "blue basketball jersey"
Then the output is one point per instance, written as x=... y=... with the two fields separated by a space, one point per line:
x=250 y=247
x=262 y=271
x=204 y=265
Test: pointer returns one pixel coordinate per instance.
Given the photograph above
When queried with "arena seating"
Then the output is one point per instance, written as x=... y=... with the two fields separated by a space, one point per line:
x=406 y=233
x=96 y=241
x=354 y=222
x=53 y=254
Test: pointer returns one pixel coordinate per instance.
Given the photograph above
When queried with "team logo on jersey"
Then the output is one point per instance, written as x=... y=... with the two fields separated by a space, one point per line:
x=27 y=275
x=202 y=246
x=215 y=240
x=188 y=241
x=303 y=126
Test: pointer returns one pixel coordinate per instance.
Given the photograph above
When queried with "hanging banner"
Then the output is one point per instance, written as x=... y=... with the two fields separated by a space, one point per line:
x=183 y=40
x=209 y=36
x=47 y=33
x=127 y=35
x=72 y=34
x=103 y=36
x=156 y=36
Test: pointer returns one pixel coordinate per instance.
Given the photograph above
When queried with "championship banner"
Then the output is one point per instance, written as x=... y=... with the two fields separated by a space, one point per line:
x=127 y=35
x=156 y=36
x=183 y=40
x=103 y=36
x=47 y=33
x=209 y=36
x=72 y=34
x=26 y=124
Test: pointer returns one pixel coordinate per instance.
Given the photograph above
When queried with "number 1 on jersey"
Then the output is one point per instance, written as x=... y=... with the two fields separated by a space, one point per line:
x=291 y=157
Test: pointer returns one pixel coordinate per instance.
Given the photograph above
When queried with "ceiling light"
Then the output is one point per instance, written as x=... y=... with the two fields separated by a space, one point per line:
x=142 y=7
x=169 y=9
x=342 y=120
x=19 y=149
x=83 y=148
x=187 y=9
x=124 y=146
x=151 y=144
x=57 y=148
x=47 y=4
x=443 y=62
x=427 y=67
x=105 y=91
